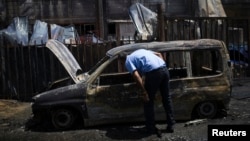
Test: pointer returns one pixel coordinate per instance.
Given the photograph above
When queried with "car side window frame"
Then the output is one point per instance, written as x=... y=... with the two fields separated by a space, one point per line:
x=185 y=66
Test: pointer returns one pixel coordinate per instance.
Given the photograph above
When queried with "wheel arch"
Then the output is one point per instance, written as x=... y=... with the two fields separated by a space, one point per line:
x=218 y=105
x=79 y=111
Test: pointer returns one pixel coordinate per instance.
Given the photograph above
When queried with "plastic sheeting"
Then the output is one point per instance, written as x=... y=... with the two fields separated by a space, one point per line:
x=210 y=8
x=67 y=35
x=17 y=32
x=40 y=33
x=145 y=21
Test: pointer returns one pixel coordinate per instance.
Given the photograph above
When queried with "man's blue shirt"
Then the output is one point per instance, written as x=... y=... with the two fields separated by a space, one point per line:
x=143 y=61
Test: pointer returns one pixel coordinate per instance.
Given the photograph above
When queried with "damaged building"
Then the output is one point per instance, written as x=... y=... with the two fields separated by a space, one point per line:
x=108 y=19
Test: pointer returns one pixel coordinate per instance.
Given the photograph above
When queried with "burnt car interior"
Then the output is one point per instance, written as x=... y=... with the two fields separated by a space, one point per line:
x=115 y=78
x=115 y=73
x=203 y=63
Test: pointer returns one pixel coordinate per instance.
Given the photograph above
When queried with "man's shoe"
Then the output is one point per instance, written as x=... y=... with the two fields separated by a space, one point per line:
x=153 y=131
x=158 y=132
x=170 y=129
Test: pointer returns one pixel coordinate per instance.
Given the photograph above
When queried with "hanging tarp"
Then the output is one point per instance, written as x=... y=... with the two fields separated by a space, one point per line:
x=66 y=34
x=17 y=31
x=145 y=21
x=210 y=8
x=69 y=35
x=40 y=33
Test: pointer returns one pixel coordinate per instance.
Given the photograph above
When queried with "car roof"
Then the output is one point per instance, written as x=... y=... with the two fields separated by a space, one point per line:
x=167 y=46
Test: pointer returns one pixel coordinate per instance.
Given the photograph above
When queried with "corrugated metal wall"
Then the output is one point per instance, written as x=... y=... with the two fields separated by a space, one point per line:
x=57 y=11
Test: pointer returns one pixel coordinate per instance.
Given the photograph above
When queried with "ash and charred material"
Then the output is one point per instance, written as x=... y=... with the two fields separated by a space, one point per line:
x=200 y=86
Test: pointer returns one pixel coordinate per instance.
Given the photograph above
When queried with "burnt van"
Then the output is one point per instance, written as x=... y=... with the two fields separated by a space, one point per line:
x=200 y=85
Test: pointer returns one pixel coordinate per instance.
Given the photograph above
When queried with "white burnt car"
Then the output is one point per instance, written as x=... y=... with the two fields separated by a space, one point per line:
x=200 y=85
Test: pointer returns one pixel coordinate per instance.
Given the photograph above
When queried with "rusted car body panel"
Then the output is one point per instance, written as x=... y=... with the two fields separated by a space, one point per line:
x=114 y=97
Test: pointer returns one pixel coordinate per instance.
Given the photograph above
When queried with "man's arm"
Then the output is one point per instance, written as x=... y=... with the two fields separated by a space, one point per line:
x=158 y=54
x=139 y=81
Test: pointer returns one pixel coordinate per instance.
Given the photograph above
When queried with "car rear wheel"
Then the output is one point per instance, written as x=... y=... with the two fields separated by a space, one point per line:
x=63 y=119
x=207 y=109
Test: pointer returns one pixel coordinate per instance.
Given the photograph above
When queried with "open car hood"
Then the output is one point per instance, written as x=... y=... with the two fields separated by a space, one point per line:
x=67 y=60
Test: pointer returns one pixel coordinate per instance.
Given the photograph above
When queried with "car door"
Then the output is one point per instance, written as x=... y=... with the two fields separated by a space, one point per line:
x=116 y=101
x=114 y=96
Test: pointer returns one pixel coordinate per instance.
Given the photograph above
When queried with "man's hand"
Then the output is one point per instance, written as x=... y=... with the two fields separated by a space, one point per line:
x=145 y=96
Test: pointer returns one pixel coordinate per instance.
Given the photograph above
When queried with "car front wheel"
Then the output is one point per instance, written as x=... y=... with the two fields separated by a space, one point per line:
x=63 y=119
